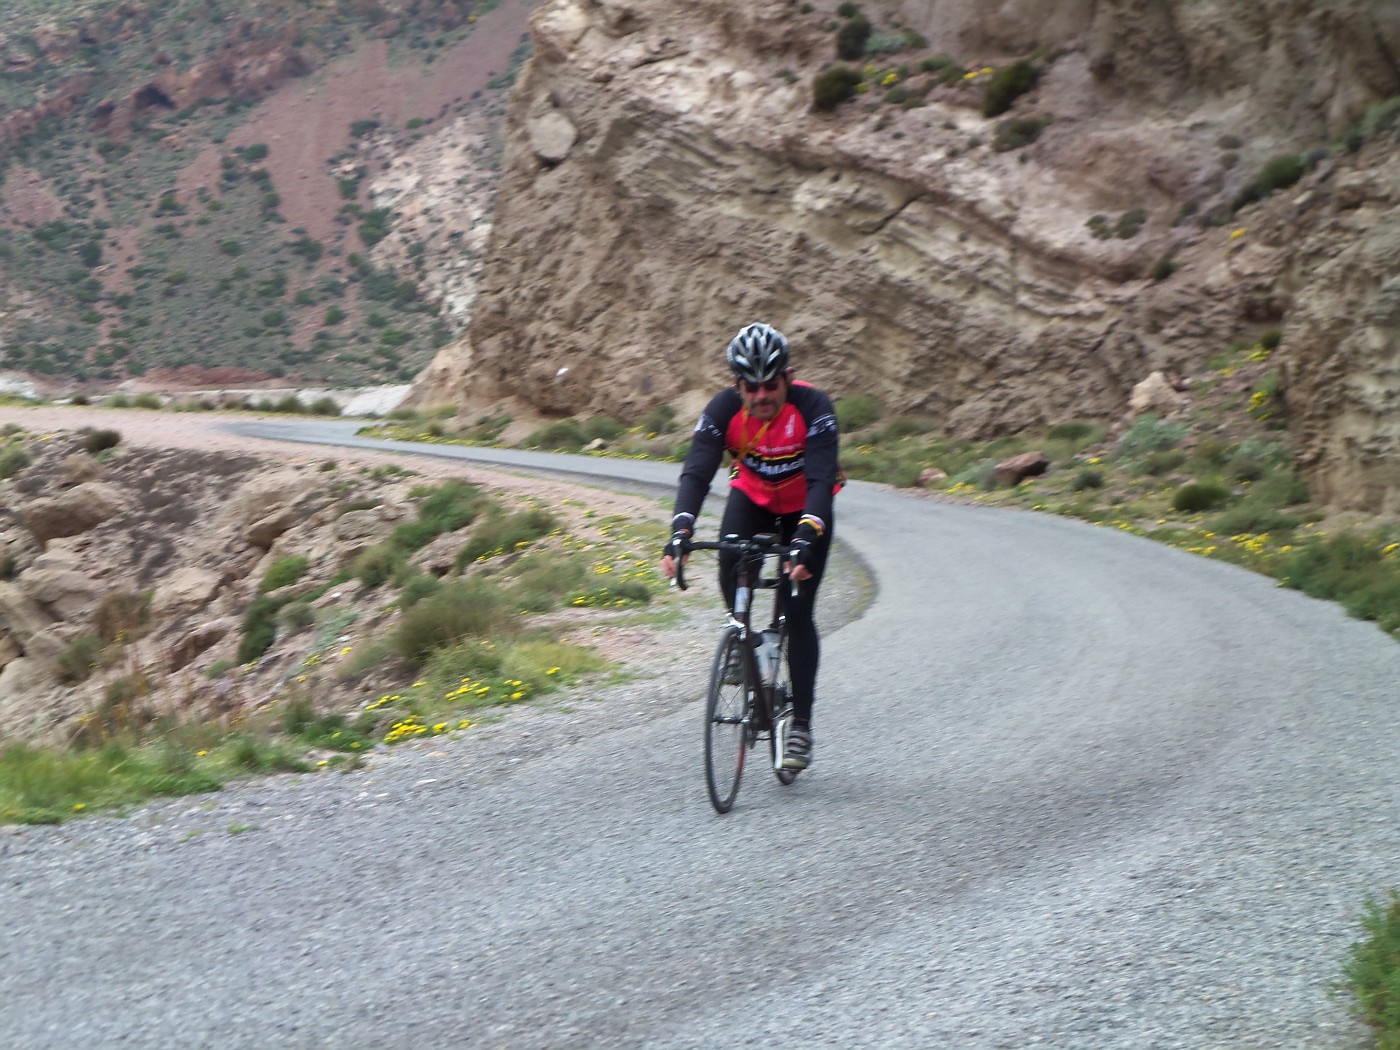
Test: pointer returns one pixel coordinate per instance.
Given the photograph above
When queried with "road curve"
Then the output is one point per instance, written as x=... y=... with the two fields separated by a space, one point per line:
x=1073 y=789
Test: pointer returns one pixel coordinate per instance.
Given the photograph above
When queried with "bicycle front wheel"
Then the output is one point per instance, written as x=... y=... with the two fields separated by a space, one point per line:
x=726 y=721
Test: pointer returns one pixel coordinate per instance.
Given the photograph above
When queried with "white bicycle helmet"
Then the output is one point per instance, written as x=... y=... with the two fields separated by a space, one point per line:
x=758 y=353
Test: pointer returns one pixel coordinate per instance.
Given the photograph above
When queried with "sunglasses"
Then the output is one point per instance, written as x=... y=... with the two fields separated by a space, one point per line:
x=753 y=388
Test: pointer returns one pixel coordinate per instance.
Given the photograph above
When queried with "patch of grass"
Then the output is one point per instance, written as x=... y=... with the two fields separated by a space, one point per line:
x=1373 y=972
x=47 y=785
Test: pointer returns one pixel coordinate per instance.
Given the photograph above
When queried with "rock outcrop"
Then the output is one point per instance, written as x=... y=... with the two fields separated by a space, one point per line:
x=667 y=180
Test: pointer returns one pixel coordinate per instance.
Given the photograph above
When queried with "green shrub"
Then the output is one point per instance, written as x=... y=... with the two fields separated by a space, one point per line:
x=259 y=628
x=1279 y=173
x=903 y=427
x=857 y=411
x=660 y=420
x=284 y=571
x=461 y=609
x=120 y=616
x=1075 y=431
x=1006 y=85
x=1087 y=479
x=1129 y=223
x=147 y=401
x=563 y=434
x=451 y=506
x=79 y=658
x=1197 y=496
x=378 y=564
x=851 y=38
x=603 y=427
x=503 y=533
x=417 y=588
x=1163 y=268
x=1281 y=488
x=297 y=616
x=848 y=10
x=95 y=441
x=13 y=459
x=1253 y=516
x=1163 y=461
x=834 y=85
x=1149 y=434
x=1015 y=132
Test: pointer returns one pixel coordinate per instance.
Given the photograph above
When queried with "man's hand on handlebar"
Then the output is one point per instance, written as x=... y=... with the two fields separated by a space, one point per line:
x=674 y=554
x=799 y=553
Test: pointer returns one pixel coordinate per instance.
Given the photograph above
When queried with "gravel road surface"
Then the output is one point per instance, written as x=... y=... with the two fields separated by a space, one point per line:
x=1072 y=789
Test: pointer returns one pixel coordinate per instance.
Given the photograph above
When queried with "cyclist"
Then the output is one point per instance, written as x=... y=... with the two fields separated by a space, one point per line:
x=782 y=437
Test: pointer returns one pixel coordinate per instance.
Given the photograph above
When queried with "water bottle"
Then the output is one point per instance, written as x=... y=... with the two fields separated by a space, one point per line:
x=769 y=655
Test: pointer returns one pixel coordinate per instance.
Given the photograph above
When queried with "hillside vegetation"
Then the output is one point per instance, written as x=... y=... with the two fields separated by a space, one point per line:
x=193 y=186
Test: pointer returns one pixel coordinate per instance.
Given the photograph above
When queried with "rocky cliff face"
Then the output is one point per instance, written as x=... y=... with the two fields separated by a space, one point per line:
x=668 y=180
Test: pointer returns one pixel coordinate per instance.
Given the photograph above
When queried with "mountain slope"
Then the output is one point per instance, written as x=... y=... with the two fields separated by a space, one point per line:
x=1163 y=188
x=220 y=190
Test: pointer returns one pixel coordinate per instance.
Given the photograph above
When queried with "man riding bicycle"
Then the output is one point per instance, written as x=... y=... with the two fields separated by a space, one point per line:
x=782 y=437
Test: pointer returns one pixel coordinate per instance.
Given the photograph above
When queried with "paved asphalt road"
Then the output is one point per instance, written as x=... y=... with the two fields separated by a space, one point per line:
x=1073 y=789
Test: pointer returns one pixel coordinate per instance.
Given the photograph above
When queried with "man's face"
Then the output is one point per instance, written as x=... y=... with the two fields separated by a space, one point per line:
x=763 y=400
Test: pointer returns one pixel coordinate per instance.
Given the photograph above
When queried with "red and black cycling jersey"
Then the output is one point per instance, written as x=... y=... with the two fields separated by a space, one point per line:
x=785 y=464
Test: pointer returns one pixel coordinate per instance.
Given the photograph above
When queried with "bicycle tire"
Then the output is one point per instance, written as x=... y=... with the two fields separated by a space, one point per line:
x=728 y=707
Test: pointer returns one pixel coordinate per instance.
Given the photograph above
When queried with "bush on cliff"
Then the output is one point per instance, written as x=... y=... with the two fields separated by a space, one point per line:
x=833 y=86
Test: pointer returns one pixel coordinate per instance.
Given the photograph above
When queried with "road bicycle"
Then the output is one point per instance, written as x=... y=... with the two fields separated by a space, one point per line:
x=748 y=697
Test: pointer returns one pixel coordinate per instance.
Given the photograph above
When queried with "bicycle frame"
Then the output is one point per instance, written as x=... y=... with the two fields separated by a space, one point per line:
x=768 y=707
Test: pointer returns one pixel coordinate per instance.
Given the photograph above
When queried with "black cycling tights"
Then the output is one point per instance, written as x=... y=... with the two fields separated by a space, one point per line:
x=743 y=517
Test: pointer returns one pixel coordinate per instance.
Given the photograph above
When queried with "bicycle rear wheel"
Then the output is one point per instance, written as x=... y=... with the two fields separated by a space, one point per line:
x=726 y=722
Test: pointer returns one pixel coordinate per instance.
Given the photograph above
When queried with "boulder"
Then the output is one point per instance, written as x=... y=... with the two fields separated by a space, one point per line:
x=1156 y=394
x=369 y=525
x=1015 y=470
x=66 y=593
x=552 y=136
x=197 y=640
x=76 y=468
x=25 y=707
x=183 y=591
x=21 y=616
x=73 y=511
x=931 y=476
